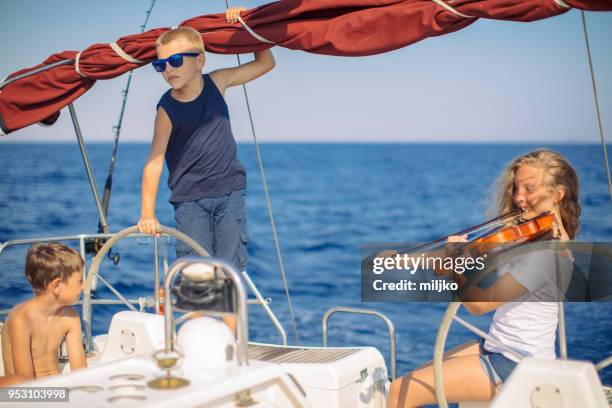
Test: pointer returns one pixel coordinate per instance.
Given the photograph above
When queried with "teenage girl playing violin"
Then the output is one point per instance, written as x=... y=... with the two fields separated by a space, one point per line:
x=538 y=182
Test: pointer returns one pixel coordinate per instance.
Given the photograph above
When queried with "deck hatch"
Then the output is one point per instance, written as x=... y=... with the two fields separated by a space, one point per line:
x=297 y=355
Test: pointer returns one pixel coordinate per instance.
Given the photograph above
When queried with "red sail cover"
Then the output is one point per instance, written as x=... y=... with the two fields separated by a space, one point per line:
x=331 y=27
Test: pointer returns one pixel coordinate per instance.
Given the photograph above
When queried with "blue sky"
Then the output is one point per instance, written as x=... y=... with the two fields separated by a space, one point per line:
x=494 y=81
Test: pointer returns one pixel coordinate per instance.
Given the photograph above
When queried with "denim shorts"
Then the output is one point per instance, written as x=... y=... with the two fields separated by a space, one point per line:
x=497 y=366
x=218 y=224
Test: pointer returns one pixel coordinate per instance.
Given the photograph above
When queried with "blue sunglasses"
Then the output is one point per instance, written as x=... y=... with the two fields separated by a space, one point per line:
x=175 y=60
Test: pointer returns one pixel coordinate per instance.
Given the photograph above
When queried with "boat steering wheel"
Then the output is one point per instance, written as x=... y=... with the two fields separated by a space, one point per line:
x=97 y=260
x=447 y=320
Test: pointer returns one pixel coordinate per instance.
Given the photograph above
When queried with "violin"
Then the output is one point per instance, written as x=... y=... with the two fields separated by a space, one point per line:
x=517 y=231
x=523 y=230
x=507 y=228
x=496 y=235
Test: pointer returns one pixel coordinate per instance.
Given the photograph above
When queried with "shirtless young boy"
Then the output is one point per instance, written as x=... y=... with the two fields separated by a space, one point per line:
x=34 y=330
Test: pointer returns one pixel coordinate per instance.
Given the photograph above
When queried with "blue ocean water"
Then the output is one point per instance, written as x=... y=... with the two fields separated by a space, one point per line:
x=328 y=200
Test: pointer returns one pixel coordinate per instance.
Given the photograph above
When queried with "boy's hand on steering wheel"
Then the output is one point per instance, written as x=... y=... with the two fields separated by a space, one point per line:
x=148 y=225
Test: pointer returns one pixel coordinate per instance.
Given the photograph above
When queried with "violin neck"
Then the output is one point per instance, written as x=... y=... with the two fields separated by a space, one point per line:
x=485 y=225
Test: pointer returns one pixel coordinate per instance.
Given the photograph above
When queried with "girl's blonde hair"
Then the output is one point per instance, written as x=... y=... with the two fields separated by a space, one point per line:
x=560 y=173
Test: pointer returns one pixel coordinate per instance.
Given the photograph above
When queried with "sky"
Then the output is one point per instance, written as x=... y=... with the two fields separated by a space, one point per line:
x=493 y=81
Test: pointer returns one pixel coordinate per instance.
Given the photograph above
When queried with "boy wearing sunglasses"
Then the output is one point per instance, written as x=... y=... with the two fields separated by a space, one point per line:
x=193 y=134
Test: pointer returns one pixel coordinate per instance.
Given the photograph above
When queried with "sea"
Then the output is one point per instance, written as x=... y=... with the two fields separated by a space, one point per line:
x=328 y=200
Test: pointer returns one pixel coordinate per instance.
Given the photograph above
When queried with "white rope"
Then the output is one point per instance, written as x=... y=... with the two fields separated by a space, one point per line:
x=563 y=4
x=115 y=47
x=253 y=33
x=76 y=65
x=124 y=54
x=452 y=10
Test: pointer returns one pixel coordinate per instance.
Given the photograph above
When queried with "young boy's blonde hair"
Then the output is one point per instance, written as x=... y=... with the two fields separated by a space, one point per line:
x=187 y=33
x=46 y=262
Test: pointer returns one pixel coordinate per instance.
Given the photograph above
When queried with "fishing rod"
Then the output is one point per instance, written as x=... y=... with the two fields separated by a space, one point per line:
x=95 y=245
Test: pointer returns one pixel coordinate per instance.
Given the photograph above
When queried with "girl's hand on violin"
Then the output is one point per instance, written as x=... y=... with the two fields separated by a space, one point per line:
x=452 y=250
x=457 y=238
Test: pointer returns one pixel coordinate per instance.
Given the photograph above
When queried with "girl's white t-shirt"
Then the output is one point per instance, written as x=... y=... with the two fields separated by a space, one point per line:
x=529 y=325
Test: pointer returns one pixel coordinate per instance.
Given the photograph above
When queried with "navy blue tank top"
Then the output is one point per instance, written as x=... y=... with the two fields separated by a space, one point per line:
x=201 y=152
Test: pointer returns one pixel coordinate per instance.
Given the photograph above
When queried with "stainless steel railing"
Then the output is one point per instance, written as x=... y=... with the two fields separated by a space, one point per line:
x=146 y=301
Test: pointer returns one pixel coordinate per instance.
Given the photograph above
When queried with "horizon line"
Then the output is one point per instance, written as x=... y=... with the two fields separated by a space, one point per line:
x=3 y=140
